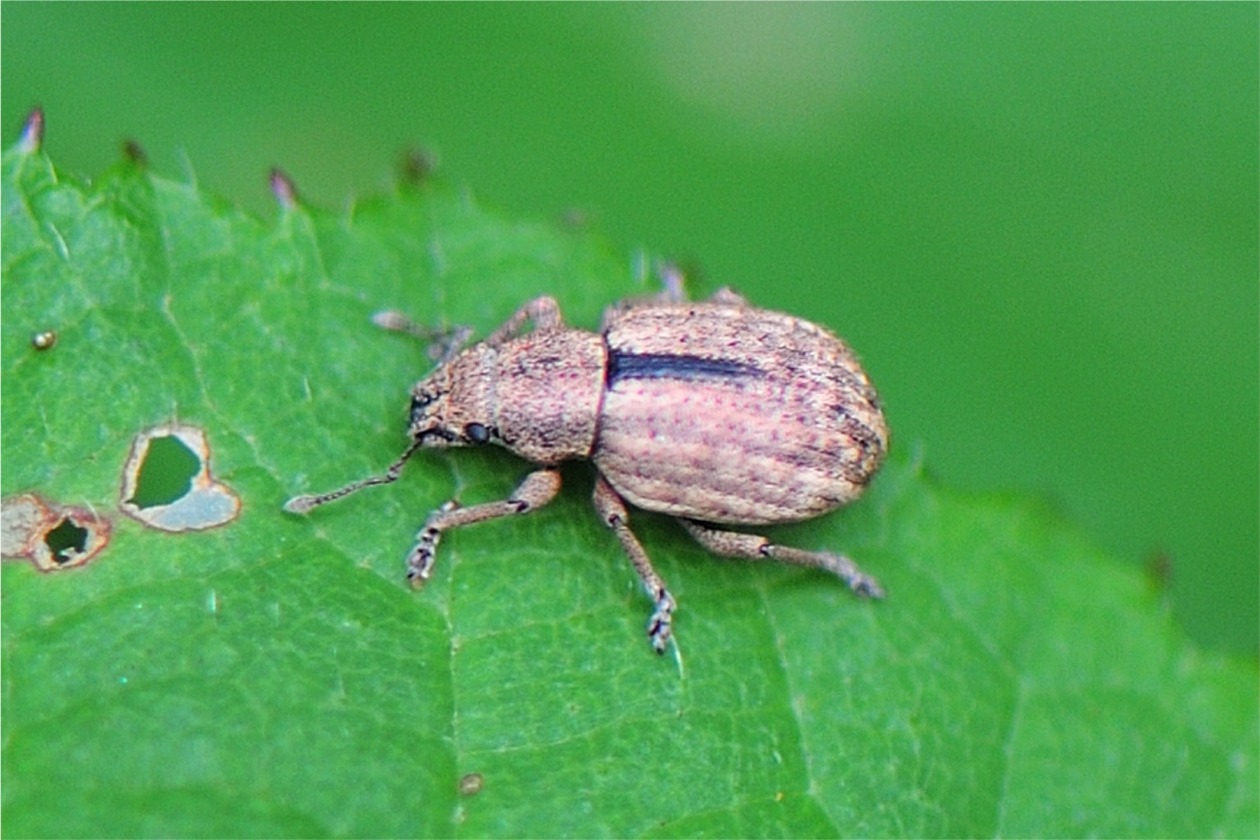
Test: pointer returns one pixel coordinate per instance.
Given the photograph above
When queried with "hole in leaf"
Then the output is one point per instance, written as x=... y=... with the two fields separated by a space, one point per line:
x=66 y=542
x=166 y=473
x=49 y=535
x=167 y=482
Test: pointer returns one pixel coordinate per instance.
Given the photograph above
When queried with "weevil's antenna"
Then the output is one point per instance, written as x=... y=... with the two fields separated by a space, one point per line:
x=302 y=504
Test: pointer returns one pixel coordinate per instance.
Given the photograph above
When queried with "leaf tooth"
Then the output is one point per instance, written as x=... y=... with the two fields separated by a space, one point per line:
x=134 y=152
x=283 y=188
x=33 y=131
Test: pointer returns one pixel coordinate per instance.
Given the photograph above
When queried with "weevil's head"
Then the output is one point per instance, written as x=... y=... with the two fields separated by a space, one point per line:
x=453 y=406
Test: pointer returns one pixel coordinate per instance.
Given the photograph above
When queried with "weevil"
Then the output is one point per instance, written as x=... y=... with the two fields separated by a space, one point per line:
x=715 y=413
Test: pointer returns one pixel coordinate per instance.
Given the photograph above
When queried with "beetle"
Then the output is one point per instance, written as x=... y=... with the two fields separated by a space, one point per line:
x=715 y=413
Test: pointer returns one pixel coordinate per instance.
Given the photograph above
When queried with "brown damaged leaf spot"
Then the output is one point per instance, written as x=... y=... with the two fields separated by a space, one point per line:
x=197 y=501
x=49 y=535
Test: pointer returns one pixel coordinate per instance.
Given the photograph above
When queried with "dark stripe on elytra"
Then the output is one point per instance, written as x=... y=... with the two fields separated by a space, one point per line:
x=626 y=366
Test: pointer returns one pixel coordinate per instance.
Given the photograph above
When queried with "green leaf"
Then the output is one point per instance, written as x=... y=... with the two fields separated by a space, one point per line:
x=275 y=677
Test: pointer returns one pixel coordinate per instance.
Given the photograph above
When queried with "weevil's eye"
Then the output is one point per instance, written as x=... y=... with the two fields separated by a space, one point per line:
x=477 y=433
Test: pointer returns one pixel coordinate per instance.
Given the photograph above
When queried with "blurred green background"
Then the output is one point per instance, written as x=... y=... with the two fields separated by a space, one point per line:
x=1037 y=223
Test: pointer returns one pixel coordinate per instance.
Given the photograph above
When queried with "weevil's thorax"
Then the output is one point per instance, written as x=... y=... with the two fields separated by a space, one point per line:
x=538 y=395
x=548 y=393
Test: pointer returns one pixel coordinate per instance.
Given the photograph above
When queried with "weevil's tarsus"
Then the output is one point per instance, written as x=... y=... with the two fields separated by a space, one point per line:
x=612 y=510
x=424 y=552
x=755 y=547
x=541 y=313
x=862 y=584
x=302 y=504
x=536 y=490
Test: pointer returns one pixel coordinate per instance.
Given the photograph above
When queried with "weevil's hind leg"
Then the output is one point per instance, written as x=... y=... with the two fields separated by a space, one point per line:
x=754 y=547
x=613 y=511
x=538 y=488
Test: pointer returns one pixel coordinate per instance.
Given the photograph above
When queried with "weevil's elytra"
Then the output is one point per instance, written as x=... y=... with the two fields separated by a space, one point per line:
x=716 y=413
x=777 y=424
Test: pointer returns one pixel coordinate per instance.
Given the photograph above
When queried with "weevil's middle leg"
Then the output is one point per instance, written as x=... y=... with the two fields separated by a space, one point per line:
x=538 y=488
x=613 y=511
x=674 y=288
x=674 y=283
x=754 y=547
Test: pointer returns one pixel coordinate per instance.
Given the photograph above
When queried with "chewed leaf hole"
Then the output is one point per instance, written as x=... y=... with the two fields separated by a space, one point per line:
x=49 y=535
x=166 y=472
x=167 y=483
x=66 y=542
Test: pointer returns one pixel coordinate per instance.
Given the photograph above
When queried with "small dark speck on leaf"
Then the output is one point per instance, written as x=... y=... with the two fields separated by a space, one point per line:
x=471 y=784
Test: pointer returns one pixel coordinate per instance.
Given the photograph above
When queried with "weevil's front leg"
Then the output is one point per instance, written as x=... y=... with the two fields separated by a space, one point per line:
x=543 y=312
x=613 y=511
x=754 y=547
x=444 y=342
x=538 y=488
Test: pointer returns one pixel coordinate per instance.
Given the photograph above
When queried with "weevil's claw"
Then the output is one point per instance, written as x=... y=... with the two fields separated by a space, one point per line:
x=660 y=625
x=860 y=583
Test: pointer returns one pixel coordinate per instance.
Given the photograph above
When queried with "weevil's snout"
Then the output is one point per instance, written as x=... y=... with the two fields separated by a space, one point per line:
x=429 y=424
x=425 y=407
